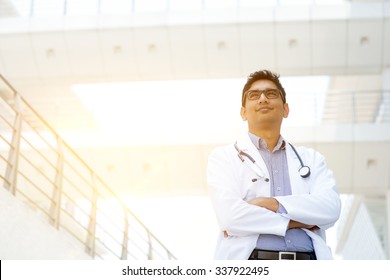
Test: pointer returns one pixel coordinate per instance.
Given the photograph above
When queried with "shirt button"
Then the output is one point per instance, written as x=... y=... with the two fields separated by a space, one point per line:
x=278 y=189
x=288 y=241
x=276 y=171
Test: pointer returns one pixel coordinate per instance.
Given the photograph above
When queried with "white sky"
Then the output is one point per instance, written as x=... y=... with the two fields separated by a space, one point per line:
x=188 y=111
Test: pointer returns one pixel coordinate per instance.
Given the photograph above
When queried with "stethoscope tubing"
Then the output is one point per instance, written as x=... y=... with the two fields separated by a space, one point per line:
x=304 y=170
x=241 y=154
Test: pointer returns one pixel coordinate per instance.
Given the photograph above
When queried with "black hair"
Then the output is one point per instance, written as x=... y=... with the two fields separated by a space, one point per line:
x=263 y=75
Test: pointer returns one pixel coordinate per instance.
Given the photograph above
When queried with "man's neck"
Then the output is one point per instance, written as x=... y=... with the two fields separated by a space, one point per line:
x=271 y=137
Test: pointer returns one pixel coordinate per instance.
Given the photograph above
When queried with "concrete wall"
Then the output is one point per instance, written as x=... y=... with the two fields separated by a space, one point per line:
x=26 y=234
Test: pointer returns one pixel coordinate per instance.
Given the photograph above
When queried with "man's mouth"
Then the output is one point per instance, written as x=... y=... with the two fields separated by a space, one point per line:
x=263 y=109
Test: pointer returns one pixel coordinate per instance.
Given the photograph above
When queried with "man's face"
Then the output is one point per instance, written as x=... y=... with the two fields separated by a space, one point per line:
x=264 y=111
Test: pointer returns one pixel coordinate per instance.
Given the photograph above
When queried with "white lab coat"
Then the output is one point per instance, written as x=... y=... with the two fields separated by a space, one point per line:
x=314 y=200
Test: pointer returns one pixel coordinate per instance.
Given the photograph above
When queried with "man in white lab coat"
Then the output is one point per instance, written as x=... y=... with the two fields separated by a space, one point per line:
x=272 y=200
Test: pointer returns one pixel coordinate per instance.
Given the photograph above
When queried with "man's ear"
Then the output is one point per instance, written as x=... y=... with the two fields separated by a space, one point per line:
x=286 y=110
x=243 y=113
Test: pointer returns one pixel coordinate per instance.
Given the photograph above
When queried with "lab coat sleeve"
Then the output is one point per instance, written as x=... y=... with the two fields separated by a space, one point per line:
x=233 y=213
x=321 y=206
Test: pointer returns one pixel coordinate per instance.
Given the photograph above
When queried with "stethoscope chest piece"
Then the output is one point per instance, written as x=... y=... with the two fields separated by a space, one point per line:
x=304 y=171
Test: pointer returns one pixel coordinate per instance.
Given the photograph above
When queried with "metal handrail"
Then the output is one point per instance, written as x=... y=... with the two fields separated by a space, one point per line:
x=62 y=186
x=357 y=106
x=341 y=106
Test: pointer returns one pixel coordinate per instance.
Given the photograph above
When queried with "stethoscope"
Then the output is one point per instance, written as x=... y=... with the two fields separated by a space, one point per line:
x=304 y=170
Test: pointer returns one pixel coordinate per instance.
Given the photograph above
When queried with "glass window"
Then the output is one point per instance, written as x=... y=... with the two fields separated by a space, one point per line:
x=188 y=5
x=218 y=4
x=48 y=8
x=22 y=7
x=329 y=2
x=84 y=7
x=151 y=5
x=257 y=3
x=295 y=2
x=116 y=6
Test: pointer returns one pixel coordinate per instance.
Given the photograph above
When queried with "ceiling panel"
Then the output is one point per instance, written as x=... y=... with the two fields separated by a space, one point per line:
x=84 y=53
x=17 y=55
x=153 y=53
x=188 y=52
x=222 y=51
x=118 y=54
x=197 y=51
x=293 y=45
x=365 y=42
x=50 y=55
x=329 y=44
x=257 y=46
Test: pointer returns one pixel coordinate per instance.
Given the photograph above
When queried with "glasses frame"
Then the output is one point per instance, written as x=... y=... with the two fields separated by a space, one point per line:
x=264 y=91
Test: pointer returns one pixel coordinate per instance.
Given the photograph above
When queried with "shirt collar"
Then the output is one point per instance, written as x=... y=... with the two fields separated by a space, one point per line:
x=261 y=144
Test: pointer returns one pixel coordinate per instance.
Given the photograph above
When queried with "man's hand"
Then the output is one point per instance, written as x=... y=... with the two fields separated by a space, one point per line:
x=269 y=203
x=272 y=204
x=295 y=224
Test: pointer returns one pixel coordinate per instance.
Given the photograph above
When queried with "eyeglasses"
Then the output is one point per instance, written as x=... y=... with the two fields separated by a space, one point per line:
x=270 y=93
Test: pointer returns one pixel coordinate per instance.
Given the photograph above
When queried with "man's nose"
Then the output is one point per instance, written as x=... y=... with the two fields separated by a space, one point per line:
x=262 y=97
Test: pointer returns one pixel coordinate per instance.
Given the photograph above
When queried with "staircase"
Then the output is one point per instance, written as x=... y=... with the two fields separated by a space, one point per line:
x=60 y=185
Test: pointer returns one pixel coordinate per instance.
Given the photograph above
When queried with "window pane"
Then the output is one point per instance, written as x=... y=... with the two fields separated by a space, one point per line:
x=217 y=4
x=116 y=6
x=151 y=5
x=257 y=3
x=48 y=8
x=84 y=7
x=188 y=5
x=16 y=8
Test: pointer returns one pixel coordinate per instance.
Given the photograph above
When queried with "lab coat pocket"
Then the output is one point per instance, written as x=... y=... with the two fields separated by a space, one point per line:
x=256 y=189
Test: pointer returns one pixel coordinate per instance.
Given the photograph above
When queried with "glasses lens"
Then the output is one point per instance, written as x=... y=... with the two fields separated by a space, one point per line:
x=271 y=93
x=253 y=94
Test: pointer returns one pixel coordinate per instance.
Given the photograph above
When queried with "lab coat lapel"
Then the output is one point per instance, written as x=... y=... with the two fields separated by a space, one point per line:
x=245 y=144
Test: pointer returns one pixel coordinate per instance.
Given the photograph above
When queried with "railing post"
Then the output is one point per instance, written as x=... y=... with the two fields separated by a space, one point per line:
x=125 y=235
x=55 y=208
x=13 y=155
x=90 y=242
x=150 y=249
